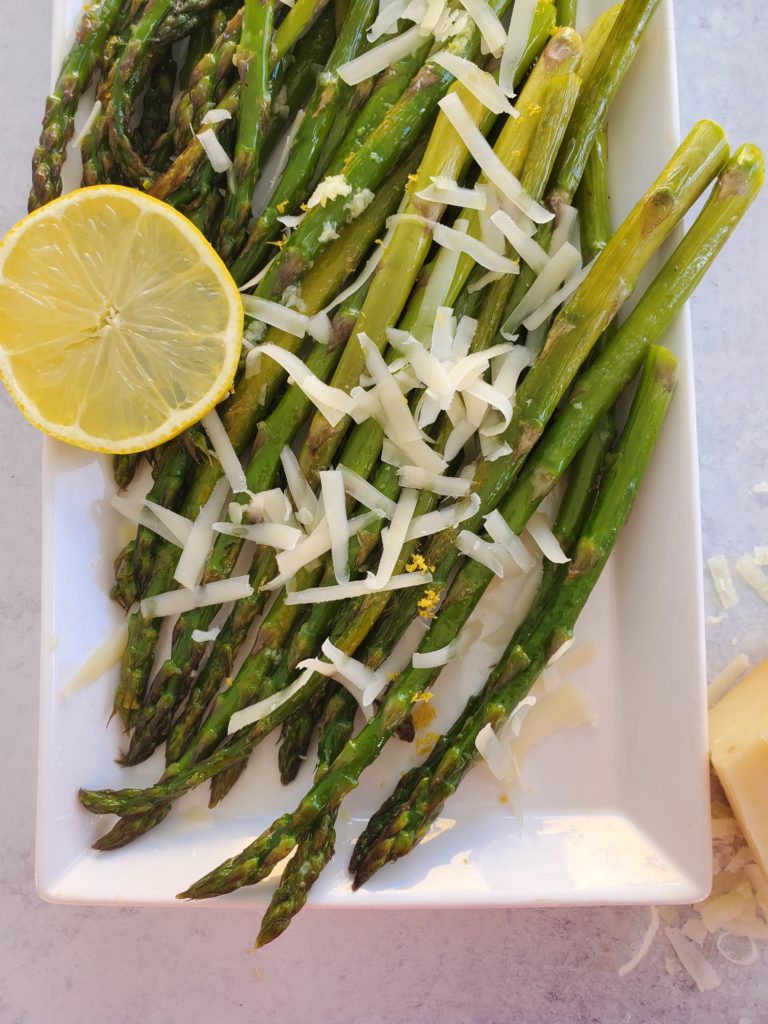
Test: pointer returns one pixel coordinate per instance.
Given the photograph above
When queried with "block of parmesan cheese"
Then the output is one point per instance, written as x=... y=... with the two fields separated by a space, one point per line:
x=738 y=746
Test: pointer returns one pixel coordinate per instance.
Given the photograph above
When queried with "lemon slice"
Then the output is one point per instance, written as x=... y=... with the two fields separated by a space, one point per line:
x=119 y=324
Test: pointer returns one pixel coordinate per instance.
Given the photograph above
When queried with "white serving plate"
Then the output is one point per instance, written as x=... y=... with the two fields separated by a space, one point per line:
x=616 y=813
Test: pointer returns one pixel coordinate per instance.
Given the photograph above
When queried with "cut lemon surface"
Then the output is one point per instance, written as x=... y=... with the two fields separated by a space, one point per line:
x=119 y=324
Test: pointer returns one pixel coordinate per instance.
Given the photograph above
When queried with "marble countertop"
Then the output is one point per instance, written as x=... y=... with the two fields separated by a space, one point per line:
x=124 y=966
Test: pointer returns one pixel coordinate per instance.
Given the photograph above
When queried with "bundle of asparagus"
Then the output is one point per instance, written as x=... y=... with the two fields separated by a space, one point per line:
x=404 y=267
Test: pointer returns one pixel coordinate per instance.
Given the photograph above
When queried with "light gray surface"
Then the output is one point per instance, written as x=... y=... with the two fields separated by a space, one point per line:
x=69 y=965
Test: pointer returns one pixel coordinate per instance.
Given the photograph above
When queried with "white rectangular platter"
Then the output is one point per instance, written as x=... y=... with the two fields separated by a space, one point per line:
x=617 y=812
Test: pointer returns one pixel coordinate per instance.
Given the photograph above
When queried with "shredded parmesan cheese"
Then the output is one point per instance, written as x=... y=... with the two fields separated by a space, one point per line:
x=332 y=488
x=357 y=588
x=488 y=24
x=100 y=661
x=256 y=712
x=753 y=575
x=289 y=320
x=216 y=116
x=380 y=57
x=226 y=454
x=332 y=402
x=476 y=81
x=697 y=966
x=194 y=554
x=200 y=636
x=176 y=602
x=645 y=945
x=727 y=679
x=450 y=487
x=489 y=555
x=89 y=123
x=516 y=43
x=217 y=155
x=448 y=192
x=539 y=529
x=488 y=162
x=365 y=493
x=444 y=518
x=560 y=267
x=723 y=581
x=273 y=535
x=393 y=538
x=527 y=247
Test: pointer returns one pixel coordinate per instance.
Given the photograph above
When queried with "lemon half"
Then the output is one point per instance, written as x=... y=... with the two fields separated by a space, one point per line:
x=119 y=324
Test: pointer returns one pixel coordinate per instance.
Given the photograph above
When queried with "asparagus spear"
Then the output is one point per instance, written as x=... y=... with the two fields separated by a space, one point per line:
x=93 y=31
x=124 y=469
x=566 y=12
x=298 y=20
x=183 y=18
x=319 y=118
x=597 y=390
x=157 y=110
x=130 y=74
x=316 y=847
x=546 y=629
x=311 y=53
x=205 y=78
x=252 y=62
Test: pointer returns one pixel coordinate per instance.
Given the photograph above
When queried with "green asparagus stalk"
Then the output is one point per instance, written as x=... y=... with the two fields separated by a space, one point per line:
x=295 y=739
x=597 y=390
x=566 y=12
x=205 y=79
x=200 y=41
x=311 y=53
x=546 y=629
x=252 y=62
x=157 y=111
x=316 y=847
x=573 y=335
x=321 y=114
x=183 y=19
x=298 y=20
x=131 y=72
x=124 y=469
x=94 y=29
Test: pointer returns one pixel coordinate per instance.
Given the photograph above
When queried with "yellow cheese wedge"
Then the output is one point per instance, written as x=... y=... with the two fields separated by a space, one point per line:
x=738 y=747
